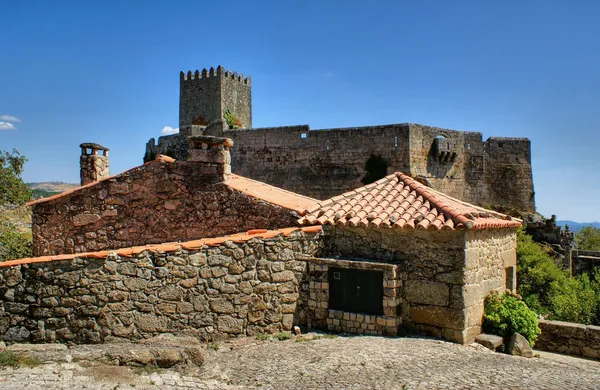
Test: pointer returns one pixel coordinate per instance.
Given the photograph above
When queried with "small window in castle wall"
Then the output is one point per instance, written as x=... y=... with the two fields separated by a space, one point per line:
x=468 y=146
x=303 y=135
x=327 y=144
x=395 y=141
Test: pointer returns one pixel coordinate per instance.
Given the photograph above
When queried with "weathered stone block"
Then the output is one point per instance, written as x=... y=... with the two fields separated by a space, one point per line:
x=443 y=317
x=228 y=324
x=428 y=293
x=221 y=306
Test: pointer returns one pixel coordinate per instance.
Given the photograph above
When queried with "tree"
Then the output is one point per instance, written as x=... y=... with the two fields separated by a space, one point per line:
x=588 y=239
x=12 y=188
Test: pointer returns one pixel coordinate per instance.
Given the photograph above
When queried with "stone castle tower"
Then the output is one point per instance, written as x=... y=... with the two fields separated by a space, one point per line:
x=206 y=96
x=94 y=167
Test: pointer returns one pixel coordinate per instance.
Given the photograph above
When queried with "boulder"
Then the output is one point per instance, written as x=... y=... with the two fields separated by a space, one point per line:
x=490 y=341
x=518 y=345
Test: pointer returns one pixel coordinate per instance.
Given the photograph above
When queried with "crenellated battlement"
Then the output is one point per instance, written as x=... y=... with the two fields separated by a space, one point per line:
x=212 y=72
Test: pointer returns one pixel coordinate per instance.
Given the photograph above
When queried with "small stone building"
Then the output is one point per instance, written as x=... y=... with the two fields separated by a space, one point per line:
x=414 y=257
x=162 y=201
x=187 y=247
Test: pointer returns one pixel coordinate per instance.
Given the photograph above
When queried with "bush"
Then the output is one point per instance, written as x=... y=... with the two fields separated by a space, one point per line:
x=12 y=188
x=506 y=314
x=588 y=239
x=549 y=290
x=14 y=244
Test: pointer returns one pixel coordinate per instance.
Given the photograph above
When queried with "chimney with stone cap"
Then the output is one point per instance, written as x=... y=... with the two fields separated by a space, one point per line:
x=213 y=153
x=94 y=167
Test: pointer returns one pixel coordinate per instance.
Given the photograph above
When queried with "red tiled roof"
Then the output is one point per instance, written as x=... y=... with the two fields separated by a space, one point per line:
x=398 y=201
x=289 y=200
x=166 y=247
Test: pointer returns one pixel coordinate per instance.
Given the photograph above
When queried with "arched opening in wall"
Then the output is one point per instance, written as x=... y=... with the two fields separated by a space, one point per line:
x=376 y=167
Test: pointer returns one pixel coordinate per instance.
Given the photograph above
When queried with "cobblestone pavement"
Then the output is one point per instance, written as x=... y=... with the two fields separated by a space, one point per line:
x=338 y=363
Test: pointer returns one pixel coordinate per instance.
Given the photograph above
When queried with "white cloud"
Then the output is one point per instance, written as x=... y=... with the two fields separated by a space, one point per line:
x=169 y=130
x=7 y=126
x=9 y=118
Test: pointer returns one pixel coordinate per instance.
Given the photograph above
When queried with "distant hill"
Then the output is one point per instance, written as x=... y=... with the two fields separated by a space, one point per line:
x=46 y=189
x=577 y=226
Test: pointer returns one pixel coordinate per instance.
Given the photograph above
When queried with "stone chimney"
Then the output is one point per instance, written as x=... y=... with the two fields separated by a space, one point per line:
x=94 y=167
x=213 y=153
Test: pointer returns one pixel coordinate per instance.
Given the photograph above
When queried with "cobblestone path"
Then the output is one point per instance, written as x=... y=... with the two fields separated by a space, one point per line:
x=339 y=363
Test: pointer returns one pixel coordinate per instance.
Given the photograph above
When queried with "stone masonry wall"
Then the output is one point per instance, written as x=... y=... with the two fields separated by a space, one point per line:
x=569 y=338
x=584 y=262
x=93 y=168
x=444 y=275
x=490 y=260
x=155 y=203
x=241 y=288
x=325 y=163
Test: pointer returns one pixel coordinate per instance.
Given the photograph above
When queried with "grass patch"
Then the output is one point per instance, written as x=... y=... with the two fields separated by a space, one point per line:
x=263 y=336
x=214 y=346
x=147 y=369
x=10 y=359
x=283 y=336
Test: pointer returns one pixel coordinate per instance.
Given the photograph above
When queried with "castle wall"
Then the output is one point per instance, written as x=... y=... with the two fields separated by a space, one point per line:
x=325 y=163
x=508 y=176
x=155 y=203
x=236 y=97
x=321 y=163
x=199 y=96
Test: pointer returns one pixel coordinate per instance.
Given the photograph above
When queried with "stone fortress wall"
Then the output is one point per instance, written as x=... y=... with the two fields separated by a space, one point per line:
x=326 y=162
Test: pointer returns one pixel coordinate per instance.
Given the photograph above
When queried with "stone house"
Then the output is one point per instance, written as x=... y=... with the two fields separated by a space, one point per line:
x=188 y=247
x=161 y=201
x=433 y=259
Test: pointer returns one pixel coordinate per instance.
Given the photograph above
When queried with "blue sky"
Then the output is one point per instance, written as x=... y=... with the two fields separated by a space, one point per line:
x=108 y=72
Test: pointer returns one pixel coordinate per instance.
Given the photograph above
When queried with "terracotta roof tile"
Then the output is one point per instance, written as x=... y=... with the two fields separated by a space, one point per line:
x=398 y=201
x=287 y=199
x=167 y=247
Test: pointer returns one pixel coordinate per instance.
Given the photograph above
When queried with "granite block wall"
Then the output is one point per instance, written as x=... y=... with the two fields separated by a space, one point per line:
x=569 y=338
x=445 y=275
x=244 y=288
x=154 y=203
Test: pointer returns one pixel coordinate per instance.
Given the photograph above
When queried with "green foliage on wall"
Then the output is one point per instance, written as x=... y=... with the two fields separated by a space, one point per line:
x=232 y=121
x=506 y=314
x=588 y=239
x=548 y=289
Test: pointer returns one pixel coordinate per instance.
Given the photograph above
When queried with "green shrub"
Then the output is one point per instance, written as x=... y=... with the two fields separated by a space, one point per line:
x=11 y=359
x=506 y=314
x=549 y=290
x=14 y=244
x=283 y=336
x=588 y=239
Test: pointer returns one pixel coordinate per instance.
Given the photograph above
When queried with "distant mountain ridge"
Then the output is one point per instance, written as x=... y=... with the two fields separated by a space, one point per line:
x=577 y=226
x=46 y=189
x=52 y=186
